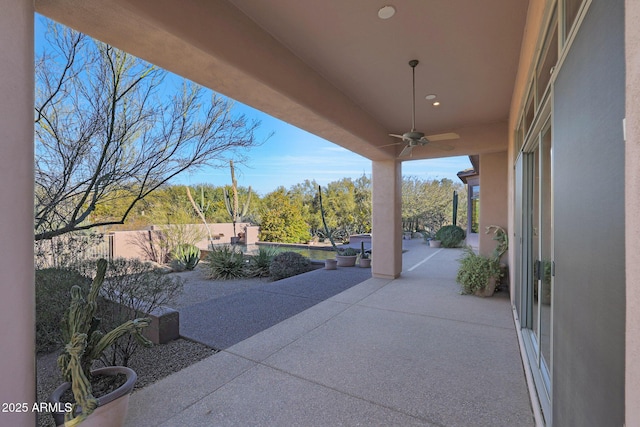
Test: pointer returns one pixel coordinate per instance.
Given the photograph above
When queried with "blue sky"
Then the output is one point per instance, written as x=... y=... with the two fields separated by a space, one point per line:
x=292 y=155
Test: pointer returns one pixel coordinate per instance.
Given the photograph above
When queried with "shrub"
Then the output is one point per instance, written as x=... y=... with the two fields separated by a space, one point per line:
x=451 y=236
x=226 y=262
x=133 y=288
x=53 y=294
x=287 y=264
x=260 y=263
x=185 y=257
x=347 y=252
x=475 y=271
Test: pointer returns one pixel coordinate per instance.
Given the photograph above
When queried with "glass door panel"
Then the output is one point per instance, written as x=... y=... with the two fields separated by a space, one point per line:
x=535 y=243
x=545 y=255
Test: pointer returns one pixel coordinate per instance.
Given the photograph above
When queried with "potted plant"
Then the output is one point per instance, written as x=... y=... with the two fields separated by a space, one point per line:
x=86 y=344
x=478 y=274
x=365 y=261
x=346 y=257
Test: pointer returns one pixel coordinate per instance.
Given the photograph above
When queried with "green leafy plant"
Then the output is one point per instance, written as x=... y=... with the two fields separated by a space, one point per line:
x=133 y=288
x=86 y=343
x=287 y=264
x=500 y=236
x=226 y=262
x=260 y=263
x=53 y=287
x=185 y=257
x=475 y=271
x=347 y=252
x=451 y=236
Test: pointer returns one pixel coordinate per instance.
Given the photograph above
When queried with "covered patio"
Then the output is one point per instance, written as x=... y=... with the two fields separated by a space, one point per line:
x=552 y=81
x=409 y=351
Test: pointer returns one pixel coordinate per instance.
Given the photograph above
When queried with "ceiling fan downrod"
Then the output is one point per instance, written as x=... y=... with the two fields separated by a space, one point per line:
x=413 y=63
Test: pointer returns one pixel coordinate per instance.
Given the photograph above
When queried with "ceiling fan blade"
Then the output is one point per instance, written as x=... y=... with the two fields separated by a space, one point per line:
x=441 y=146
x=389 y=145
x=406 y=151
x=396 y=135
x=442 y=136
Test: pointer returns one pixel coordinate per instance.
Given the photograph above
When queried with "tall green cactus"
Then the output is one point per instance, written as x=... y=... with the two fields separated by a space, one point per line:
x=324 y=221
x=201 y=205
x=232 y=205
x=86 y=343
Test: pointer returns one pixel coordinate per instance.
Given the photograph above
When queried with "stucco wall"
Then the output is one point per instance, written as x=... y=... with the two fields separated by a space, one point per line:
x=493 y=198
x=17 y=305
x=589 y=240
x=632 y=228
x=129 y=244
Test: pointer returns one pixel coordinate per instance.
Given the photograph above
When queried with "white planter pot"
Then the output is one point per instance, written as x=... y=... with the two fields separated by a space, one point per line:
x=434 y=243
x=346 y=260
x=112 y=407
x=330 y=264
x=365 y=262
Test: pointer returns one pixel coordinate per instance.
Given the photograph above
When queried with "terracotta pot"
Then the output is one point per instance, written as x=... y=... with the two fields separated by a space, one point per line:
x=365 y=262
x=346 y=260
x=488 y=290
x=330 y=264
x=434 y=243
x=112 y=407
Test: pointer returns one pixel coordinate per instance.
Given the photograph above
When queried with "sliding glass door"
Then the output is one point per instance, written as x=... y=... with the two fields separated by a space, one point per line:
x=535 y=246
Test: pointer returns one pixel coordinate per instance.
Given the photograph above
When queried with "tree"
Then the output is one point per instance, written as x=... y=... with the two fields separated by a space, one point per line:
x=427 y=204
x=107 y=128
x=281 y=219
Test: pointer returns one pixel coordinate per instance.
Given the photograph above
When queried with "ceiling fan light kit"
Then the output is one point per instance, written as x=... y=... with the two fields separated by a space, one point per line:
x=413 y=137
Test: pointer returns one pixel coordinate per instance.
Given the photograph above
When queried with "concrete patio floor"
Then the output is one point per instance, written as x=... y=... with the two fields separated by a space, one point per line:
x=410 y=351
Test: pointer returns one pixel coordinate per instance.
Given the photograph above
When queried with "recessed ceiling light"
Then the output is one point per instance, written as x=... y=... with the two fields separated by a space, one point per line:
x=386 y=12
x=430 y=96
x=437 y=103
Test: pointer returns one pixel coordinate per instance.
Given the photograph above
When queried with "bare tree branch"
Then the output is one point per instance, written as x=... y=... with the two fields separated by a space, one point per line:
x=108 y=129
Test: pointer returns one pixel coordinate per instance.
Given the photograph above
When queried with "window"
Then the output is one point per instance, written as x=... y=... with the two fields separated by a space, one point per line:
x=475 y=208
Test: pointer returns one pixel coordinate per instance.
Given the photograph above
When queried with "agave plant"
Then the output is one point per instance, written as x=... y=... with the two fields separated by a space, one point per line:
x=185 y=257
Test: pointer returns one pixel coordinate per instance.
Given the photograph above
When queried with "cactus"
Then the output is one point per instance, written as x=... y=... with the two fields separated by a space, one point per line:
x=202 y=207
x=86 y=343
x=324 y=222
x=363 y=253
x=200 y=213
x=232 y=205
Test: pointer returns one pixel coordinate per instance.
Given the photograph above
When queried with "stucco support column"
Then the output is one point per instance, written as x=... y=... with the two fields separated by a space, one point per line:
x=17 y=314
x=386 y=219
x=632 y=208
x=493 y=198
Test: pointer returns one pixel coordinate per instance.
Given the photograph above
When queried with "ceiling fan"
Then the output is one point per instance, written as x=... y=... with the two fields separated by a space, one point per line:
x=414 y=138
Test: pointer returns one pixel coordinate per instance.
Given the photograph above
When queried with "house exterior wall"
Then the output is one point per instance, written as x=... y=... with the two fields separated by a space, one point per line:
x=493 y=198
x=17 y=305
x=632 y=202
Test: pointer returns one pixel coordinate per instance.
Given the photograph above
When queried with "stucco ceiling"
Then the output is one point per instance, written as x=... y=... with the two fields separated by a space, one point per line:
x=332 y=67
